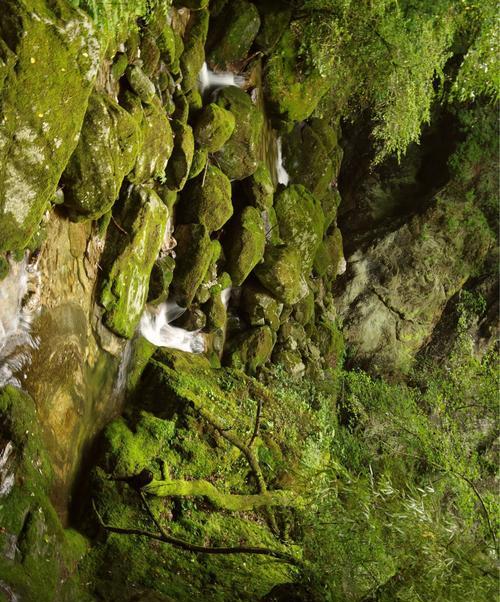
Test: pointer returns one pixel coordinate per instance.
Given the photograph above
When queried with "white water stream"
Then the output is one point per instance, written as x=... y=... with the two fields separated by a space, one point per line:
x=283 y=177
x=209 y=80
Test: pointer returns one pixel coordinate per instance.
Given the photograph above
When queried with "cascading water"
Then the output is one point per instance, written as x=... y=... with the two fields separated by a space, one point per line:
x=283 y=177
x=209 y=80
x=18 y=306
x=156 y=327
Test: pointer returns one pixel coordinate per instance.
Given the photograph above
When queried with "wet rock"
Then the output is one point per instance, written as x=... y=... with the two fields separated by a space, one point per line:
x=252 y=349
x=179 y=166
x=233 y=33
x=199 y=163
x=329 y=260
x=292 y=94
x=260 y=307
x=193 y=57
x=259 y=188
x=301 y=221
x=397 y=289
x=105 y=154
x=238 y=158
x=282 y=274
x=131 y=253
x=49 y=66
x=194 y=256
x=245 y=244
x=214 y=127
x=140 y=83
x=207 y=200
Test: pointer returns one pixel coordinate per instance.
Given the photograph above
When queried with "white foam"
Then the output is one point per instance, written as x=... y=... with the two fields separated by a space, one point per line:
x=156 y=327
x=283 y=177
x=226 y=296
x=209 y=80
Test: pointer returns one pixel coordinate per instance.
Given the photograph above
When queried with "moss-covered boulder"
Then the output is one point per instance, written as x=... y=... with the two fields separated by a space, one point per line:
x=275 y=17
x=238 y=158
x=132 y=249
x=157 y=144
x=179 y=165
x=48 y=68
x=282 y=274
x=193 y=57
x=245 y=244
x=300 y=220
x=309 y=159
x=194 y=256
x=105 y=154
x=259 y=188
x=259 y=307
x=140 y=83
x=329 y=260
x=160 y=279
x=330 y=202
x=252 y=349
x=199 y=163
x=214 y=127
x=292 y=93
x=207 y=200
x=233 y=33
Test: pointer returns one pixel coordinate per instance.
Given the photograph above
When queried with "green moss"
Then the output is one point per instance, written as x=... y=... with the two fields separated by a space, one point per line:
x=193 y=57
x=238 y=158
x=194 y=255
x=200 y=159
x=281 y=273
x=130 y=257
x=140 y=83
x=161 y=277
x=166 y=44
x=301 y=221
x=214 y=127
x=252 y=349
x=292 y=93
x=195 y=102
x=304 y=310
x=330 y=202
x=275 y=18
x=330 y=255
x=179 y=166
x=260 y=307
x=4 y=267
x=106 y=152
x=259 y=188
x=207 y=200
x=48 y=76
x=245 y=244
x=233 y=33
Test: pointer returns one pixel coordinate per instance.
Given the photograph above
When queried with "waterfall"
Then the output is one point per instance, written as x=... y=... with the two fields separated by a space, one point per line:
x=283 y=177
x=155 y=326
x=209 y=80
x=226 y=296
x=18 y=307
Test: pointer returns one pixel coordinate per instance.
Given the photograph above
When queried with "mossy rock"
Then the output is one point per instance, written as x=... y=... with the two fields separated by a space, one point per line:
x=195 y=103
x=181 y=112
x=282 y=274
x=140 y=83
x=207 y=200
x=303 y=312
x=300 y=220
x=252 y=349
x=275 y=18
x=233 y=34
x=179 y=165
x=167 y=47
x=307 y=160
x=192 y=4
x=150 y=53
x=194 y=255
x=328 y=337
x=259 y=188
x=260 y=307
x=199 y=163
x=292 y=94
x=47 y=75
x=330 y=202
x=214 y=127
x=238 y=158
x=4 y=267
x=329 y=259
x=106 y=152
x=160 y=279
x=157 y=144
x=245 y=244
x=129 y=259
x=193 y=57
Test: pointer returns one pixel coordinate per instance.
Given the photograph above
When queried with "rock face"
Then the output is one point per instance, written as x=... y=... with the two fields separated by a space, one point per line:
x=49 y=61
x=397 y=289
x=130 y=256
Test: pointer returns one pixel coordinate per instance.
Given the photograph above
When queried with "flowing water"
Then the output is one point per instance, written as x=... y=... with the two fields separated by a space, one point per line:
x=210 y=80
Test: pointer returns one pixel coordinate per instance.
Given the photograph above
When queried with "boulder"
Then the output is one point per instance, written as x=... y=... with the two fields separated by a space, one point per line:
x=259 y=188
x=260 y=307
x=48 y=69
x=193 y=57
x=129 y=259
x=214 y=127
x=300 y=220
x=245 y=244
x=105 y=154
x=233 y=33
x=252 y=349
x=329 y=260
x=207 y=200
x=238 y=158
x=140 y=83
x=199 y=163
x=282 y=274
x=179 y=165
